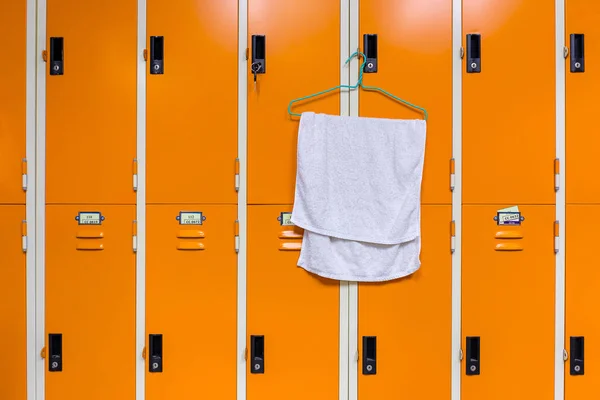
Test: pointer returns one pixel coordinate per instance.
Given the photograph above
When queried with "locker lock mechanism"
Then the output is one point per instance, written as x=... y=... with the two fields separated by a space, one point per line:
x=255 y=68
x=259 y=56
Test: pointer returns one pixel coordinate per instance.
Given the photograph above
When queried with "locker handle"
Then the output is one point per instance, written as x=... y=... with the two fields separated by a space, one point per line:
x=90 y=246
x=157 y=55
x=509 y=247
x=577 y=355
x=257 y=354
x=55 y=352
x=155 y=342
x=57 y=56
x=290 y=235
x=190 y=234
x=509 y=235
x=473 y=364
x=259 y=55
x=473 y=53
x=577 y=52
x=369 y=359
x=290 y=246
x=90 y=235
x=190 y=246
x=370 y=50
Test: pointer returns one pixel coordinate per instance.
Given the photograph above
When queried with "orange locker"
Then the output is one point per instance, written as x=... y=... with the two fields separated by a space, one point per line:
x=508 y=279
x=90 y=302
x=302 y=56
x=192 y=101
x=582 y=300
x=509 y=107
x=191 y=292
x=13 y=335
x=293 y=316
x=91 y=91
x=414 y=49
x=13 y=25
x=410 y=319
x=582 y=88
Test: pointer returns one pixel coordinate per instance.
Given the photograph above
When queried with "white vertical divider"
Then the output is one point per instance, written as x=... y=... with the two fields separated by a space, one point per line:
x=457 y=196
x=140 y=293
x=242 y=196
x=559 y=319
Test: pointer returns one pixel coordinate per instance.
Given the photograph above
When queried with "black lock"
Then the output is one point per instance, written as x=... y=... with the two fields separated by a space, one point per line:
x=473 y=363
x=55 y=359
x=370 y=50
x=577 y=356
x=473 y=53
x=57 y=56
x=156 y=353
x=577 y=52
x=369 y=358
x=157 y=55
x=257 y=354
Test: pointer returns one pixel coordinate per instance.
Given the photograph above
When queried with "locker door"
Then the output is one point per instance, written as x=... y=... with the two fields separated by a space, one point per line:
x=582 y=89
x=13 y=334
x=192 y=106
x=90 y=301
x=13 y=25
x=508 y=303
x=91 y=108
x=583 y=280
x=302 y=57
x=509 y=107
x=295 y=312
x=414 y=61
x=411 y=319
x=191 y=291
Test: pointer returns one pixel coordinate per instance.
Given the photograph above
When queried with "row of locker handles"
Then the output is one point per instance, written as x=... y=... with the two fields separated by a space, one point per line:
x=259 y=54
x=369 y=356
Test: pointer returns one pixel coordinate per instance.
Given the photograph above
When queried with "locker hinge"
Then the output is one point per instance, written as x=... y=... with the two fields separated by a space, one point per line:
x=24 y=236
x=144 y=353
x=237 y=174
x=556 y=236
x=462 y=52
x=237 y=236
x=45 y=55
x=565 y=52
x=135 y=175
x=135 y=237
x=24 y=172
x=556 y=174
x=246 y=354
x=145 y=54
x=247 y=53
x=357 y=358
x=452 y=173
x=565 y=355
x=452 y=236
x=460 y=354
x=43 y=352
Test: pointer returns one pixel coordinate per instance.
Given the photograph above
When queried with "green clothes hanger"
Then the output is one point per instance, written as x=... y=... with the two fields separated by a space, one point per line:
x=353 y=87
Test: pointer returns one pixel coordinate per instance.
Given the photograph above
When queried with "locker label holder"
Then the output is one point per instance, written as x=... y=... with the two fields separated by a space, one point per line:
x=190 y=218
x=89 y=218
x=285 y=219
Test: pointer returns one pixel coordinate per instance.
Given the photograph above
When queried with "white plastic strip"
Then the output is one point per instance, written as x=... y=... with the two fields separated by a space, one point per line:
x=40 y=201
x=353 y=286
x=344 y=286
x=30 y=130
x=456 y=195
x=242 y=196
x=559 y=320
x=140 y=292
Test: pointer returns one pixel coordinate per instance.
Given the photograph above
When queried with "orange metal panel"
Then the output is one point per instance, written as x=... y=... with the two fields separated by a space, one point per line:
x=508 y=301
x=411 y=318
x=303 y=57
x=191 y=300
x=13 y=335
x=192 y=108
x=13 y=25
x=582 y=89
x=297 y=312
x=415 y=63
x=91 y=109
x=508 y=108
x=90 y=299
x=582 y=298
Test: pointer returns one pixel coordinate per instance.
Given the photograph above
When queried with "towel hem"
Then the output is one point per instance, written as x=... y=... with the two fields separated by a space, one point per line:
x=341 y=277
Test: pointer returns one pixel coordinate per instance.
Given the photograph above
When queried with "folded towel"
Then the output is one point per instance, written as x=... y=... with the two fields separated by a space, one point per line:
x=358 y=190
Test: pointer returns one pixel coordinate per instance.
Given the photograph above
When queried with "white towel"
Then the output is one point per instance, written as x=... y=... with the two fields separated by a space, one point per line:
x=358 y=192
